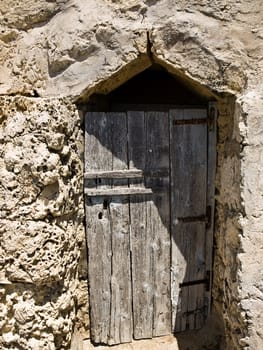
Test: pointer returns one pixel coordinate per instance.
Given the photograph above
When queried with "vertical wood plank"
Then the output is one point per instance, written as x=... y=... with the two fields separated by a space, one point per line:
x=158 y=218
x=189 y=147
x=179 y=296
x=142 y=284
x=188 y=189
x=98 y=157
x=211 y=173
x=121 y=310
x=98 y=230
x=191 y=315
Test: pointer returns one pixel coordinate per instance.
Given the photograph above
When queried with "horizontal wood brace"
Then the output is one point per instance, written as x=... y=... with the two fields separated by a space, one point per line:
x=205 y=281
x=126 y=174
x=117 y=191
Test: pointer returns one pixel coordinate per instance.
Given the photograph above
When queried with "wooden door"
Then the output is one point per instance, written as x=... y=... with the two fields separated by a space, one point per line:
x=146 y=199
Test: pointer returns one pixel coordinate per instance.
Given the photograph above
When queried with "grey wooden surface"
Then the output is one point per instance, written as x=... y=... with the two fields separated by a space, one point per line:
x=98 y=228
x=149 y=185
x=158 y=218
x=121 y=302
x=117 y=191
x=141 y=240
x=114 y=174
x=188 y=200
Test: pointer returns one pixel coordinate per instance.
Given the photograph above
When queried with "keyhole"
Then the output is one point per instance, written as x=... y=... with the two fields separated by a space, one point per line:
x=100 y=215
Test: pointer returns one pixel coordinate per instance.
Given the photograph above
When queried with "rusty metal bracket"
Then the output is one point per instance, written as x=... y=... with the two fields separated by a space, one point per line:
x=190 y=121
x=210 y=120
x=205 y=281
x=199 y=218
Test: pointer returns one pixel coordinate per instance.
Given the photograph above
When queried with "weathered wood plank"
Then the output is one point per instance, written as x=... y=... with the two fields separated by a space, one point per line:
x=117 y=191
x=121 y=307
x=142 y=283
x=196 y=306
x=191 y=304
x=158 y=219
x=188 y=188
x=189 y=146
x=98 y=230
x=119 y=174
x=121 y=303
x=98 y=157
x=126 y=174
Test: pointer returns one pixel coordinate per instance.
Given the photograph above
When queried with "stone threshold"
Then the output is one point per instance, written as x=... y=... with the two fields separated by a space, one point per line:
x=161 y=343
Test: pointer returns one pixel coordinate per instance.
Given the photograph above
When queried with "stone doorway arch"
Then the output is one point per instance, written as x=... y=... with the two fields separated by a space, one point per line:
x=97 y=102
x=228 y=116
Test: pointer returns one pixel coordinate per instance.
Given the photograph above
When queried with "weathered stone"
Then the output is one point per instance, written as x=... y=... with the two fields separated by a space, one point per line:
x=41 y=196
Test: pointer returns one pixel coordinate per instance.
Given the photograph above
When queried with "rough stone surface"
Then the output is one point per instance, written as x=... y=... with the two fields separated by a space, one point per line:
x=40 y=223
x=222 y=41
x=57 y=51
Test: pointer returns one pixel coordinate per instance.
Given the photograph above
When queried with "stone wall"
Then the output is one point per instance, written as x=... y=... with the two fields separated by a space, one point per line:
x=54 y=55
x=41 y=222
x=227 y=227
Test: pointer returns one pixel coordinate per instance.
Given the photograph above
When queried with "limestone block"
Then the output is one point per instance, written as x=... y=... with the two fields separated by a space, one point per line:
x=37 y=252
x=40 y=164
x=41 y=319
x=199 y=47
x=251 y=122
x=25 y=16
x=96 y=44
x=103 y=46
x=212 y=42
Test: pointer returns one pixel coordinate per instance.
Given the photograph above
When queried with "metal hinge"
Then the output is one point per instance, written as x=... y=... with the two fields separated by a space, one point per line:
x=210 y=120
x=205 y=281
x=191 y=121
x=212 y=115
x=208 y=216
x=200 y=218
